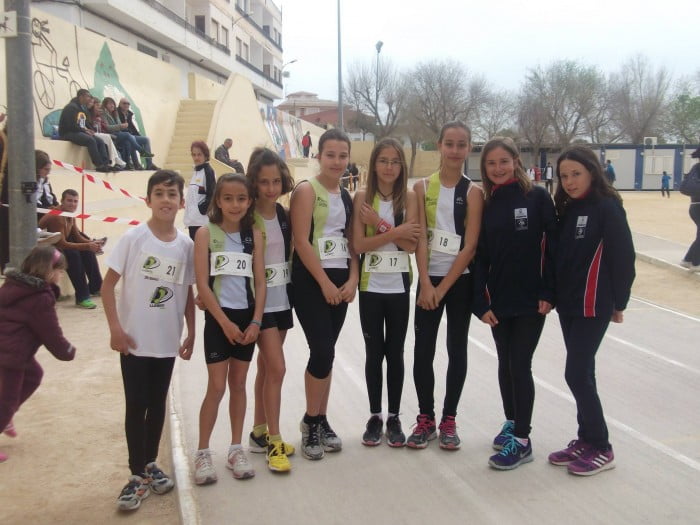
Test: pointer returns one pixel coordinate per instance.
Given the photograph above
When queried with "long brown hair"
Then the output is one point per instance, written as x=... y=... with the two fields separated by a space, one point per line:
x=509 y=146
x=262 y=157
x=214 y=212
x=42 y=260
x=600 y=187
x=398 y=192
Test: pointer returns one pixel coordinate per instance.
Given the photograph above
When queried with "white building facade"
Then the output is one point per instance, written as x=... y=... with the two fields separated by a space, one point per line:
x=212 y=38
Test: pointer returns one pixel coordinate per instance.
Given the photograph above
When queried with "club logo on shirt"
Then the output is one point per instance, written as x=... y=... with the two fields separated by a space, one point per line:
x=328 y=246
x=581 y=223
x=520 y=215
x=321 y=202
x=220 y=262
x=161 y=295
x=430 y=236
x=374 y=260
x=151 y=263
x=270 y=274
x=459 y=201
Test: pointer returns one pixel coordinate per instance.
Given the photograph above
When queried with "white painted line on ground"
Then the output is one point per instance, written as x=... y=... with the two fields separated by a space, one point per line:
x=187 y=502
x=654 y=354
x=665 y=309
x=656 y=445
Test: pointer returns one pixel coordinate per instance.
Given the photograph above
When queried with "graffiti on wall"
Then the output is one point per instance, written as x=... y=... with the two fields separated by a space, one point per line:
x=57 y=76
x=284 y=129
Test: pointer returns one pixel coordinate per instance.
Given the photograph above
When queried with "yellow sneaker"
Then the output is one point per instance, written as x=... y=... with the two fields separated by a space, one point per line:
x=258 y=444
x=277 y=460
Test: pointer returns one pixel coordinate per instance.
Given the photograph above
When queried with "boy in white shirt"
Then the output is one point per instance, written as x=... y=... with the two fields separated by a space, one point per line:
x=155 y=261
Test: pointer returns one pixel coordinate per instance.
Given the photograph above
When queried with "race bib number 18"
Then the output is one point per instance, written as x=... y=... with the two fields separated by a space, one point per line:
x=442 y=241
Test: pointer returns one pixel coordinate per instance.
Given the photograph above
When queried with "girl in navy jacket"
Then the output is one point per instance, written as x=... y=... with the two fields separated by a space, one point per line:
x=594 y=273
x=514 y=286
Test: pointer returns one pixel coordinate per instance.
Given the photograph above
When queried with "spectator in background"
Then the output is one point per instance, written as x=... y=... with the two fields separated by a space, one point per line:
x=80 y=251
x=690 y=186
x=126 y=142
x=306 y=144
x=549 y=178
x=126 y=116
x=610 y=173
x=221 y=154
x=666 y=184
x=72 y=126
x=97 y=124
x=45 y=197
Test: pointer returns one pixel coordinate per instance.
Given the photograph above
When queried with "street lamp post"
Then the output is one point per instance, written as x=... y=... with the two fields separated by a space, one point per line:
x=340 y=77
x=285 y=74
x=378 y=46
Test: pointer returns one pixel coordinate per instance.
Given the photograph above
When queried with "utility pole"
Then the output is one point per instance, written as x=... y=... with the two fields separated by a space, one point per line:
x=20 y=135
x=340 y=78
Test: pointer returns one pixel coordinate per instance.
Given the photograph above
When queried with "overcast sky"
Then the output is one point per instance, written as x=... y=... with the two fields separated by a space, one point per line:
x=500 y=40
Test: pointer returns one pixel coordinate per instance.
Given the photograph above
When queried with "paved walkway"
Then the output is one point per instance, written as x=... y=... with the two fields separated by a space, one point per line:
x=649 y=390
x=662 y=252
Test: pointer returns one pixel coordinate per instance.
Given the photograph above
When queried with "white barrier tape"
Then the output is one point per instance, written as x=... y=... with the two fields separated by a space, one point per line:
x=96 y=180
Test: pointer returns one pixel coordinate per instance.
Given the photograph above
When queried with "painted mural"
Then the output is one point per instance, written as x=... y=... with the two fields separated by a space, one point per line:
x=284 y=129
x=58 y=76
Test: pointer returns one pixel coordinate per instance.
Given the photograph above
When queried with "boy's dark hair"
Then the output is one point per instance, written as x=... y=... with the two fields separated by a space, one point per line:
x=70 y=192
x=41 y=159
x=168 y=178
x=82 y=92
x=266 y=157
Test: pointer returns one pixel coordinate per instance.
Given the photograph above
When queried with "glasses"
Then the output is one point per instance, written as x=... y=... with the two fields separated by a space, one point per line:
x=387 y=162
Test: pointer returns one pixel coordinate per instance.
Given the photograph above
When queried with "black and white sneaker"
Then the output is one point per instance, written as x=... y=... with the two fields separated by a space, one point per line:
x=132 y=493
x=394 y=433
x=158 y=481
x=373 y=434
x=329 y=439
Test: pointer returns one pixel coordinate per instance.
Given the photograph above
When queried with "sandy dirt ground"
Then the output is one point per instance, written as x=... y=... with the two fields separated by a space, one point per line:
x=69 y=461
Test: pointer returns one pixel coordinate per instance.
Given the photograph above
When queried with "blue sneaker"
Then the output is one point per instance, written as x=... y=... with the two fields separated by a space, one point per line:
x=512 y=455
x=506 y=433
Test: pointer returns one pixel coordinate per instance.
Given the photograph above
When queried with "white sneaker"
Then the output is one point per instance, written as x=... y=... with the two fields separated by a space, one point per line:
x=204 y=472
x=239 y=464
x=686 y=264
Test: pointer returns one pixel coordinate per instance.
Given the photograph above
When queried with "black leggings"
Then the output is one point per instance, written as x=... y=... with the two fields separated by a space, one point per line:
x=516 y=339
x=693 y=254
x=146 y=382
x=582 y=337
x=320 y=321
x=458 y=302
x=376 y=310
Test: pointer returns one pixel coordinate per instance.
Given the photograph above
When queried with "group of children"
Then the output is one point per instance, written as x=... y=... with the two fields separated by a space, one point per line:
x=503 y=251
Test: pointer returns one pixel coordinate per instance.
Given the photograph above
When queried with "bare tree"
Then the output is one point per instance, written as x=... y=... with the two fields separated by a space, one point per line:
x=639 y=98
x=533 y=122
x=497 y=114
x=377 y=92
x=445 y=91
x=412 y=127
x=567 y=90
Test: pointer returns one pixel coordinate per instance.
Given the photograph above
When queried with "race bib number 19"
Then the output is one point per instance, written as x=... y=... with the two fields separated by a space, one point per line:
x=278 y=274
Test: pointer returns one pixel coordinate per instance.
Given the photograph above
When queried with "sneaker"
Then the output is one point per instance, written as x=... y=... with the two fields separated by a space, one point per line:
x=592 y=462
x=204 y=472
x=129 y=166
x=44 y=238
x=572 y=451
x=146 y=154
x=449 y=440
x=512 y=455
x=10 y=430
x=132 y=493
x=686 y=264
x=158 y=481
x=87 y=304
x=394 y=433
x=238 y=462
x=277 y=460
x=258 y=444
x=329 y=439
x=504 y=435
x=423 y=432
x=311 y=440
x=373 y=435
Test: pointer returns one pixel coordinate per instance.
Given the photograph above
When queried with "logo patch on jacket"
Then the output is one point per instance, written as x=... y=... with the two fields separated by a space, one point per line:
x=581 y=223
x=520 y=216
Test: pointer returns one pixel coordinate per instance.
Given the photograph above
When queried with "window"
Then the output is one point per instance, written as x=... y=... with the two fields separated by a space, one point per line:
x=239 y=47
x=224 y=36
x=145 y=49
x=215 y=30
x=199 y=24
x=246 y=56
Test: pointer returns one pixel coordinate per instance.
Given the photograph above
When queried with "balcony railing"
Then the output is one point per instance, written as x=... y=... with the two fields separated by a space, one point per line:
x=258 y=71
x=255 y=25
x=184 y=23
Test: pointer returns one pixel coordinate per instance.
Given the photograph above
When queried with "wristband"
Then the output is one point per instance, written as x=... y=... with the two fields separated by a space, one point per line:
x=256 y=322
x=383 y=226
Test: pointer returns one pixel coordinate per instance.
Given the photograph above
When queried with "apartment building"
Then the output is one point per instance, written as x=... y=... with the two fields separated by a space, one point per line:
x=212 y=38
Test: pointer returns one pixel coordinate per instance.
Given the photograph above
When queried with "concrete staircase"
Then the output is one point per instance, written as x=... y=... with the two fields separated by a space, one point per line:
x=193 y=123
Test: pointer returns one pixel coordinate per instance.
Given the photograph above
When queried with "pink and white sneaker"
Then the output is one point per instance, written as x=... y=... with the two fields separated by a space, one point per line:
x=592 y=462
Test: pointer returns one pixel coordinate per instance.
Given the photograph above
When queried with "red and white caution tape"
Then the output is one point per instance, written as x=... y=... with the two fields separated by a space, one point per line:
x=96 y=180
x=115 y=220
